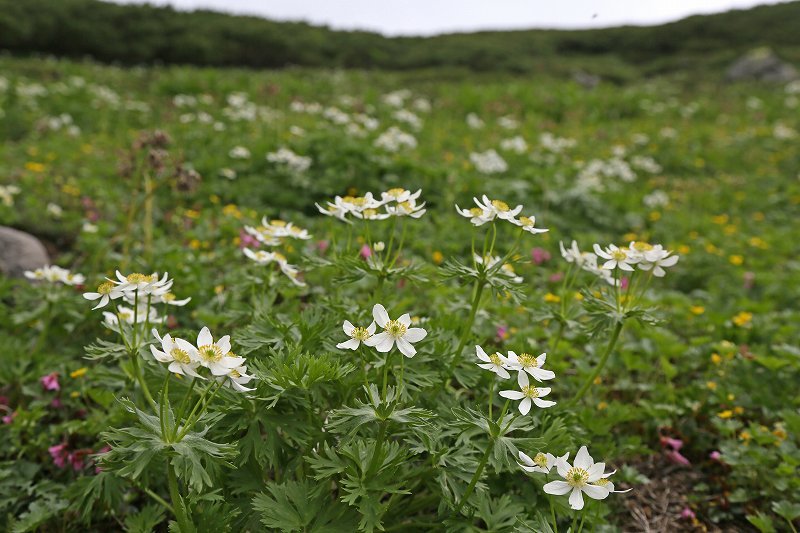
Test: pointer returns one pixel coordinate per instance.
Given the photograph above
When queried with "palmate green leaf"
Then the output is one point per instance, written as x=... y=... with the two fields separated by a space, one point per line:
x=354 y=269
x=348 y=420
x=104 y=490
x=39 y=513
x=143 y=447
x=299 y=370
x=787 y=510
x=499 y=514
x=145 y=520
x=105 y=350
x=302 y=506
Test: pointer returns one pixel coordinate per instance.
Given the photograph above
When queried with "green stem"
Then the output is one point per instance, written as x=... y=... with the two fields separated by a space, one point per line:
x=191 y=419
x=475 y=476
x=559 y=332
x=491 y=396
x=181 y=514
x=400 y=245
x=609 y=348
x=553 y=515
x=162 y=407
x=478 y=292
x=574 y=522
x=185 y=402
x=139 y=373
x=376 y=456
x=386 y=374
x=583 y=517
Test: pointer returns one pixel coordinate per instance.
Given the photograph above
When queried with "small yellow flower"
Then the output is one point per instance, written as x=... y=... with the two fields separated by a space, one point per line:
x=34 y=167
x=780 y=432
x=438 y=257
x=578 y=296
x=697 y=309
x=74 y=394
x=214 y=199
x=743 y=319
x=715 y=358
x=193 y=214
x=736 y=260
x=758 y=242
x=711 y=385
x=628 y=237
x=731 y=397
x=730 y=229
x=738 y=410
x=683 y=249
x=551 y=298
x=194 y=244
x=720 y=219
x=725 y=414
x=237 y=241
x=78 y=373
x=232 y=211
x=598 y=380
x=602 y=405
x=745 y=435
x=218 y=289
x=654 y=216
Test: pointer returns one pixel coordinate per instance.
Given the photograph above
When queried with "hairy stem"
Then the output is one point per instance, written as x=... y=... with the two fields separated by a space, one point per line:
x=603 y=360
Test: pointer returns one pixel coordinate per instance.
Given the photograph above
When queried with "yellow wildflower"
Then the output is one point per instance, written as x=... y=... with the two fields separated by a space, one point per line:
x=711 y=385
x=743 y=319
x=715 y=358
x=727 y=413
x=697 y=309
x=551 y=298
x=736 y=259
x=34 y=167
x=438 y=257
x=78 y=373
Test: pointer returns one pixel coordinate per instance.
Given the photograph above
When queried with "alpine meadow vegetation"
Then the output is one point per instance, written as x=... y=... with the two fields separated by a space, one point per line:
x=337 y=301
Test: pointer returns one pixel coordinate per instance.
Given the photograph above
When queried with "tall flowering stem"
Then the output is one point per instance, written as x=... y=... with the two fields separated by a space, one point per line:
x=181 y=513
x=603 y=360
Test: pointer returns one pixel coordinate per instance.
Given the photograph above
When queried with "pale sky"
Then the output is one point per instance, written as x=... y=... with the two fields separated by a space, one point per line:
x=427 y=17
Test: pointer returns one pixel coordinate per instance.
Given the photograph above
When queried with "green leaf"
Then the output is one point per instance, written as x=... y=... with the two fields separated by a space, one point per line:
x=302 y=506
x=145 y=520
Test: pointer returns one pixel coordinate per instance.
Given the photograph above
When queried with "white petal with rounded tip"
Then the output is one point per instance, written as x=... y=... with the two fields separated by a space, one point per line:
x=371 y=328
x=543 y=403
x=522 y=379
x=380 y=315
x=204 y=337
x=92 y=295
x=541 y=375
x=502 y=372
x=576 y=499
x=159 y=355
x=225 y=344
x=348 y=327
x=596 y=472
x=405 y=319
x=512 y=394
x=583 y=459
x=595 y=492
x=481 y=354
x=525 y=406
x=544 y=391
x=562 y=466
x=352 y=344
x=557 y=488
x=525 y=458
x=405 y=348
x=376 y=339
x=415 y=334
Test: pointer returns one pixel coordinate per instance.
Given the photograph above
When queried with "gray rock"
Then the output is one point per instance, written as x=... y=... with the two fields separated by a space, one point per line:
x=20 y=251
x=761 y=64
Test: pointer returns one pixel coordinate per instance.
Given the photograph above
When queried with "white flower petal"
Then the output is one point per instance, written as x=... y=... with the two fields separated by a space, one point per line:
x=557 y=488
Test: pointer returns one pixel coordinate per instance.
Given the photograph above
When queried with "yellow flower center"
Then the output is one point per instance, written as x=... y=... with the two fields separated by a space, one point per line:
x=105 y=288
x=527 y=360
x=642 y=246
x=602 y=482
x=500 y=206
x=395 y=329
x=136 y=277
x=279 y=257
x=577 y=477
x=181 y=356
x=530 y=391
x=360 y=201
x=168 y=297
x=406 y=206
x=369 y=213
x=619 y=255
x=495 y=359
x=476 y=211
x=396 y=192
x=210 y=352
x=360 y=333
x=234 y=373
x=279 y=223
x=526 y=221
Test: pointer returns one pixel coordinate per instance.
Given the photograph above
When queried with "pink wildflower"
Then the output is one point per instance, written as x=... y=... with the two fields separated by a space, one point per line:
x=59 y=454
x=50 y=381
x=540 y=255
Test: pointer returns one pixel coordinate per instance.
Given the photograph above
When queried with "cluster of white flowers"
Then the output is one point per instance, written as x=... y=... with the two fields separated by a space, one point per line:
x=514 y=144
x=583 y=476
x=647 y=257
x=525 y=365
x=488 y=162
x=7 y=193
x=394 y=139
x=396 y=98
x=241 y=109
x=488 y=210
x=556 y=144
x=187 y=359
x=136 y=288
x=782 y=132
x=239 y=152
x=646 y=164
x=273 y=233
x=55 y=274
x=586 y=261
x=593 y=174
x=474 y=121
x=408 y=117
x=395 y=202
x=312 y=108
x=290 y=160
x=657 y=198
x=508 y=123
x=63 y=121
x=395 y=332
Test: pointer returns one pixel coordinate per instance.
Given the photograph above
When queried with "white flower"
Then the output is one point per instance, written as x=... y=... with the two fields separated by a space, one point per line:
x=488 y=162
x=126 y=315
x=530 y=364
x=572 y=254
x=239 y=152
x=55 y=274
x=143 y=283
x=214 y=355
x=616 y=257
x=236 y=379
x=287 y=158
x=476 y=215
x=105 y=292
x=264 y=258
x=514 y=144
x=357 y=335
x=7 y=193
x=399 y=195
x=394 y=331
x=505 y=269
x=394 y=139
x=404 y=115
x=182 y=357
x=408 y=208
x=528 y=394
x=336 y=210
x=528 y=224
x=474 y=121
x=55 y=210
x=542 y=462
x=495 y=362
x=582 y=477
x=498 y=208
x=170 y=299
x=371 y=214
x=655 y=259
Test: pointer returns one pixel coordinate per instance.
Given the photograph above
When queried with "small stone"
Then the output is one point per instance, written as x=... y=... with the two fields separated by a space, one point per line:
x=20 y=251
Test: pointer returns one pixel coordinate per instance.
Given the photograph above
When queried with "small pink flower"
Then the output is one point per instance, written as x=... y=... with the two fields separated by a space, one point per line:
x=555 y=278
x=715 y=456
x=322 y=246
x=248 y=241
x=675 y=444
x=502 y=332
x=675 y=456
x=624 y=282
x=366 y=252
x=59 y=454
x=9 y=418
x=687 y=514
x=540 y=255
x=50 y=381
x=76 y=459
x=56 y=403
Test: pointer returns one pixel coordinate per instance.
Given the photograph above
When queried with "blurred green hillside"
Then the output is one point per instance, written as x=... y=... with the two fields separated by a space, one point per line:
x=146 y=34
